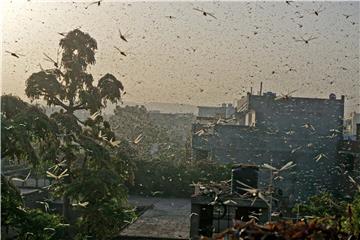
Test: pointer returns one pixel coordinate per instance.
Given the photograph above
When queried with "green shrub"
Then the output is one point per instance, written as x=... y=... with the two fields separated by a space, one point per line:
x=351 y=221
x=344 y=214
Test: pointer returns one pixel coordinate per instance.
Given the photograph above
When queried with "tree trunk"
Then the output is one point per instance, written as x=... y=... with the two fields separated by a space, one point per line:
x=67 y=217
x=66 y=208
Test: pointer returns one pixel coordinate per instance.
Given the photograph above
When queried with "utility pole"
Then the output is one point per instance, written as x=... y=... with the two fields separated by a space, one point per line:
x=271 y=180
x=270 y=191
x=298 y=213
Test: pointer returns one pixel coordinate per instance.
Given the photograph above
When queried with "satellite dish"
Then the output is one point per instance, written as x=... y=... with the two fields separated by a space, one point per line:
x=332 y=96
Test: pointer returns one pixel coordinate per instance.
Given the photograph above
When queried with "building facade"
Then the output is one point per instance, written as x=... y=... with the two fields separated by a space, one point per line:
x=210 y=114
x=273 y=130
x=352 y=127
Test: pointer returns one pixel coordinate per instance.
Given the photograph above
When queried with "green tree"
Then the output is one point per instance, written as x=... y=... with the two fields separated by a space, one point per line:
x=26 y=131
x=351 y=220
x=130 y=122
x=321 y=205
x=27 y=134
x=90 y=169
x=344 y=214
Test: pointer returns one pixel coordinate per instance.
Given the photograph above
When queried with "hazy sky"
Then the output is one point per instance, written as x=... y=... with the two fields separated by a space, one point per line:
x=191 y=58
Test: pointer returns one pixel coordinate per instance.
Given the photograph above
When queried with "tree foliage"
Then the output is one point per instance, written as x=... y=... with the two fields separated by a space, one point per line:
x=321 y=205
x=28 y=135
x=26 y=223
x=26 y=131
x=70 y=85
x=351 y=221
x=129 y=122
x=342 y=213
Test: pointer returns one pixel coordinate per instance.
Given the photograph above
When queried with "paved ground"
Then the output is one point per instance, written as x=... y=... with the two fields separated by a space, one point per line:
x=169 y=218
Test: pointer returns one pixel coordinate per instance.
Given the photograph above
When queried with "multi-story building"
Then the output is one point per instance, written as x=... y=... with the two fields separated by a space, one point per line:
x=276 y=130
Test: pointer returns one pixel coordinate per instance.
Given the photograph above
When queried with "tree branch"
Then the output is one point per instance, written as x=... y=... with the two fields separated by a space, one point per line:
x=79 y=107
x=58 y=102
x=78 y=119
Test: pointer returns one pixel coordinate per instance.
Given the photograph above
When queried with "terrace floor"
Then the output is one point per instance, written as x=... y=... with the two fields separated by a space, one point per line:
x=168 y=218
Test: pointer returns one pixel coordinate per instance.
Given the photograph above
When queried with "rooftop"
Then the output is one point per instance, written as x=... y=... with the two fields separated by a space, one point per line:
x=168 y=218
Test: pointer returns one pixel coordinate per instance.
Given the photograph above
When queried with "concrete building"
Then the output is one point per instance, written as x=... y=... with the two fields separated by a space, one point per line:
x=211 y=114
x=276 y=130
x=213 y=213
x=352 y=127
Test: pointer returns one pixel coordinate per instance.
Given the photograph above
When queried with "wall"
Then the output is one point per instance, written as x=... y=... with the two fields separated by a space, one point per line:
x=352 y=124
x=225 y=111
x=297 y=129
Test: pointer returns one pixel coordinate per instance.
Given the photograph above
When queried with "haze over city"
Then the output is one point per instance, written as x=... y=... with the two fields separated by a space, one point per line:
x=176 y=54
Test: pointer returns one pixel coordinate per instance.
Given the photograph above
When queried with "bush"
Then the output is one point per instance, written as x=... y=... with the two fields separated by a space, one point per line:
x=322 y=205
x=351 y=222
x=344 y=214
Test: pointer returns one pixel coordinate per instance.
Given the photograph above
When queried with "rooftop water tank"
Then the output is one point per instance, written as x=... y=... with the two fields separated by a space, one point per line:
x=246 y=174
x=270 y=94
